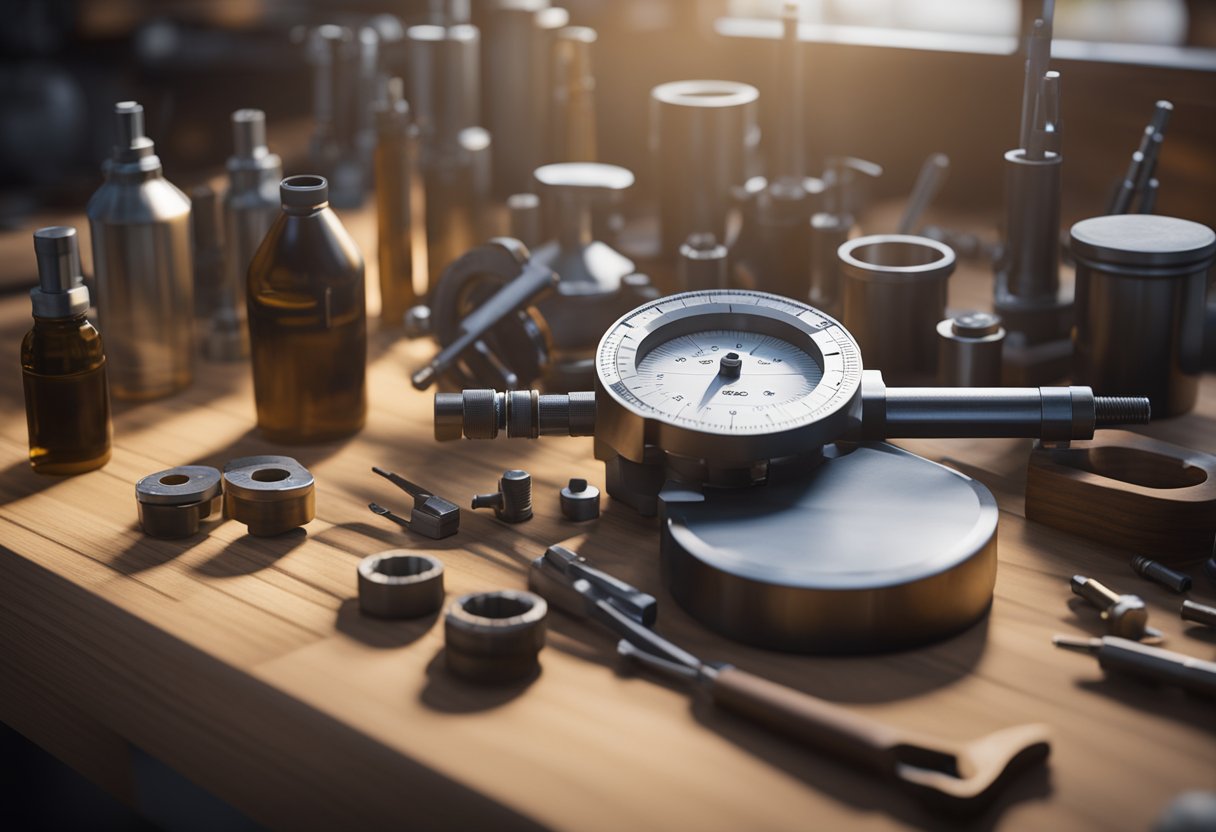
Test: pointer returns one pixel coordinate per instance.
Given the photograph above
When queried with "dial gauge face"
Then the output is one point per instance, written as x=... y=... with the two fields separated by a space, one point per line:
x=730 y=362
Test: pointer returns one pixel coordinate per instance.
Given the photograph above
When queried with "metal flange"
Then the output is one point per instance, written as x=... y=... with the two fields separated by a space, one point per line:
x=269 y=494
x=173 y=502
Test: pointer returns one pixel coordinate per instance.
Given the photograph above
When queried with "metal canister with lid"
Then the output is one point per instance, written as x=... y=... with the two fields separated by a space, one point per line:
x=1141 y=285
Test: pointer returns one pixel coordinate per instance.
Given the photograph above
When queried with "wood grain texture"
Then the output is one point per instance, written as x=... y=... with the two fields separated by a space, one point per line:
x=1127 y=491
x=244 y=664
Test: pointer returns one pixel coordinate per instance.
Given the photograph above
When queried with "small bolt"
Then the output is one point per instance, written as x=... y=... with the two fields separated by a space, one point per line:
x=580 y=501
x=512 y=503
x=1199 y=613
x=1159 y=573
x=1125 y=615
x=417 y=321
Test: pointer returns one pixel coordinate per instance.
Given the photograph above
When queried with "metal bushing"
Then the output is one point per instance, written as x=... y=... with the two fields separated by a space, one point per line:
x=494 y=637
x=580 y=501
x=173 y=502
x=269 y=494
x=400 y=584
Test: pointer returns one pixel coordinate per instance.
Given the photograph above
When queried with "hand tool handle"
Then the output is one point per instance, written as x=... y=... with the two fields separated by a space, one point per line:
x=1164 y=666
x=810 y=720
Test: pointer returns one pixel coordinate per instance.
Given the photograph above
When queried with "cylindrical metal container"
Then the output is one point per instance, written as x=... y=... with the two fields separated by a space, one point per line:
x=250 y=207
x=140 y=223
x=457 y=183
x=207 y=230
x=703 y=139
x=969 y=350
x=443 y=81
x=894 y=295
x=573 y=114
x=1141 y=287
x=399 y=207
x=703 y=264
x=307 y=321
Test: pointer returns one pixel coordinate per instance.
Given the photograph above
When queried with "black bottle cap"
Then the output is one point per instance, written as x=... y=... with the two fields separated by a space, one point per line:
x=307 y=192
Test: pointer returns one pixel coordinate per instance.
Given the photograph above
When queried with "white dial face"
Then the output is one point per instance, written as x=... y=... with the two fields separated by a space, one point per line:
x=724 y=377
x=730 y=362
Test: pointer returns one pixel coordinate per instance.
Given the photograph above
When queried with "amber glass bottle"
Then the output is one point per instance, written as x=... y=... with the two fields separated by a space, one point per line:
x=307 y=321
x=63 y=366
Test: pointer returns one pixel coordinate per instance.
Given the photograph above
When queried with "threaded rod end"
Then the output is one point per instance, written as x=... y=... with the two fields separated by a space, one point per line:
x=1110 y=411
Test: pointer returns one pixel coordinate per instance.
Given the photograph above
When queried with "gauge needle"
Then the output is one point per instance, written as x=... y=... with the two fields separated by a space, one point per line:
x=728 y=371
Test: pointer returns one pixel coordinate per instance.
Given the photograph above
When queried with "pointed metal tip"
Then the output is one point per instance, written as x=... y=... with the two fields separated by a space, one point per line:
x=378 y=509
x=1088 y=646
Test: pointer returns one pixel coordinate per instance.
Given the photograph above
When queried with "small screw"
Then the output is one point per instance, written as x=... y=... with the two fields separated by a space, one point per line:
x=1125 y=615
x=1159 y=573
x=512 y=503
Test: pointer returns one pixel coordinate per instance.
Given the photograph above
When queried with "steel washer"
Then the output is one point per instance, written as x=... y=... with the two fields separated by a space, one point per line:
x=174 y=501
x=269 y=494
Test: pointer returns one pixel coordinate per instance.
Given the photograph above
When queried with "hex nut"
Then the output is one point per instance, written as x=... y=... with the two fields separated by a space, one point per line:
x=400 y=584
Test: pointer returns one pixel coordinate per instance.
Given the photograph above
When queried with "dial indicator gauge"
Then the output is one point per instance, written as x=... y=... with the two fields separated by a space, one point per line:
x=732 y=363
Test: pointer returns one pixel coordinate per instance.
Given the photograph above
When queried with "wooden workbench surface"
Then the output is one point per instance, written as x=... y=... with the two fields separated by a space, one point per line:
x=243 y=663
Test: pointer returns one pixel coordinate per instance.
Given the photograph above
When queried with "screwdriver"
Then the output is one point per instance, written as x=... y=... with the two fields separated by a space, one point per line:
x=1155 y=663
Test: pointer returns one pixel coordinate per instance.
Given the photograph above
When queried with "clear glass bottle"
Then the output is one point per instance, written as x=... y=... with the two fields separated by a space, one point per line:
x=63 y=365
x=308 y=321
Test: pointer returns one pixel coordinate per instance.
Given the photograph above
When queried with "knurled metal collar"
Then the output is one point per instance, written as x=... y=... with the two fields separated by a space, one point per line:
x=494 y=637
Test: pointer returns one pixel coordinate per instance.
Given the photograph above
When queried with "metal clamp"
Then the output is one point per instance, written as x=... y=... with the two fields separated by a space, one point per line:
x=173 y=502
x=400 y=584
x=494 y=637
x=269 y=494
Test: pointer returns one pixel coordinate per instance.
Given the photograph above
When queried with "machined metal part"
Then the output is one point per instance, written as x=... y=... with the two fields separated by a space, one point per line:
x=828 y=232
x=495 y=637
x=512 y=503
x=969 y=350
x=580 y=500
x=704 y=137
x=1199 y=613
x=1161 y=574
x=334 y=54
x=1134 y=658
x=482 y=317
x=174 y=501
x=482 y=414
x=524 y=219
x=208 y=242
x=400 y=204
x=269 y=494
x=417 y=321
x=928 y=182
x=894 y=295
x=573 y=115
x=140 y=224
x=1125 y=616
x=400 y=584
x=1141 y=282
x=60 y=292
x=432 y=516
x=703 y=264
x=251 y=206
x=1144 y=161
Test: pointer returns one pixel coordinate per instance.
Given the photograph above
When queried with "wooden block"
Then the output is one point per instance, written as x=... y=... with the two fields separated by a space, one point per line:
x=1127 y=491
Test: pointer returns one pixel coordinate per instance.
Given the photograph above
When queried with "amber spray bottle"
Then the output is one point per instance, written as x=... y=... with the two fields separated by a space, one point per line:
x=63 y=366
x=307 y=321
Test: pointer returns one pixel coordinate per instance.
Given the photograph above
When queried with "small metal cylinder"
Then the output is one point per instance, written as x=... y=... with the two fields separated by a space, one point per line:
x=524 y=219
x=580 y=501
x=704 y=137
x=1030 y=270
x=269 y=494
x=1141 y=284
x=573 y=114
x=828 y=233
x=1161 y=574
x=512 y=503
x=495 y=637
x=1199 y=613
x=173 y=502
x=703 y=264
x=400 y=584
x=969 y=350
x=209 y=265
x=444 y=88
x=894 y=295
